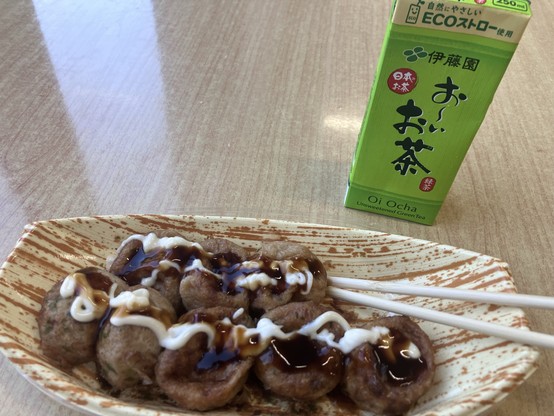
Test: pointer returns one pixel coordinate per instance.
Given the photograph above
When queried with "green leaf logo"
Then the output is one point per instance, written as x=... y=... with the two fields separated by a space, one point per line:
x=414 y=54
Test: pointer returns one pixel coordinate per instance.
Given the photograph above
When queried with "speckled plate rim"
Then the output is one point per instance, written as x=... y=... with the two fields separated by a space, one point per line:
x=24 y=297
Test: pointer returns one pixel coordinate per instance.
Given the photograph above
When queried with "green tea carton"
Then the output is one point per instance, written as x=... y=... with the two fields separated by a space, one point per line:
x=440 y=65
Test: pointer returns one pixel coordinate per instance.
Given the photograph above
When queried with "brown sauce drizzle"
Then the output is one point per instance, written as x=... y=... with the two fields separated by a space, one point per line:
x=95 y=285
x=264 y=265
x=150 y=311
x=230 y=272
x=222 y=352
x=393 y=364
x=301 y=353
x=298 y=353
x=141 y=264
x=214 y=358
x=95 y=279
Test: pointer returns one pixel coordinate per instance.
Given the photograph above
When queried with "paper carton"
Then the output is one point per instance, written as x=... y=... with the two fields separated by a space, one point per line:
x=440 y=65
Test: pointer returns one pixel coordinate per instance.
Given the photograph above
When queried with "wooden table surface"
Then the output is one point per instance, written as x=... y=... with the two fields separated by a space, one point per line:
x=251 y=108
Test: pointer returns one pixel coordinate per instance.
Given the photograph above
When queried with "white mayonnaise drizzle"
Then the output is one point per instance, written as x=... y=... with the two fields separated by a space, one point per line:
x=198 y=265
x=295 y=276
x=353 y=337
x=163 y=266
x=254 y=281
x=267 y=330
x=412 y=352
x=132 y=301
x=238 y=313
x=69 y=285
x=178 y=335
x=84 y=308
x=250 y=281
x=152 y=242
x=174 y=337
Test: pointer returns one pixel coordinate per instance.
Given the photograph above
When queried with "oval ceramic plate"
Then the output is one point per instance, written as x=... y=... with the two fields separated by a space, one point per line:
x=473 y=371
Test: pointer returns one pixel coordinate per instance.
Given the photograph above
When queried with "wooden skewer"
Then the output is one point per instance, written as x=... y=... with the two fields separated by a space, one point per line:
x=506 y=299
x=512 y=334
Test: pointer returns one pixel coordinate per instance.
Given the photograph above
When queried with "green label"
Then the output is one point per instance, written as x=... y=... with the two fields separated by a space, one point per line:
x=430 y=95
x=383 y=202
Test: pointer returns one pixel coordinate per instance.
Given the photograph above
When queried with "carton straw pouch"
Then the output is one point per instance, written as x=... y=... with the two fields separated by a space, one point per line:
x=440 y=65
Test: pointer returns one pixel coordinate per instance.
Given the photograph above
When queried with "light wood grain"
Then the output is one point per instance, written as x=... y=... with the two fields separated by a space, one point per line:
x=251 y=108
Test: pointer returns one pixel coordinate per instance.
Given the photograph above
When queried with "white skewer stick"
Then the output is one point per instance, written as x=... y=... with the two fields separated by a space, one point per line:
x=507 y=299
x=512 y=334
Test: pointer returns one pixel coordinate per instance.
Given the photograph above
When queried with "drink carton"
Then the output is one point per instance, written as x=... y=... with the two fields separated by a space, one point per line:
x=439 y=68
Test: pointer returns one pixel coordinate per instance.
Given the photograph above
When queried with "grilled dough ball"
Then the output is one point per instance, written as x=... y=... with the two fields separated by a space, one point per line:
x=300 y=368
x=132 y=264
x=201 y=378
x=63 y=338
x=379 y=379
x=202 y=289
x=268 y=297
x=127 y=354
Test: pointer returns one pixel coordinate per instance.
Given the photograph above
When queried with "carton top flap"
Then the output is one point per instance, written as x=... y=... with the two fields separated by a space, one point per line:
x=502 y=20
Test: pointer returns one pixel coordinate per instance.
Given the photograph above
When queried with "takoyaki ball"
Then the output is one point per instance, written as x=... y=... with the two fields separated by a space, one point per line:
x=388 y=378
x=300 y=261
x=161 y=268
x=121 y=265
x=127 y=354
x=214 y=284
x=300 y=368
x=168 y=286
x=132 y=263
x=63 y=338
x=225 y=252
x=200 y=377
